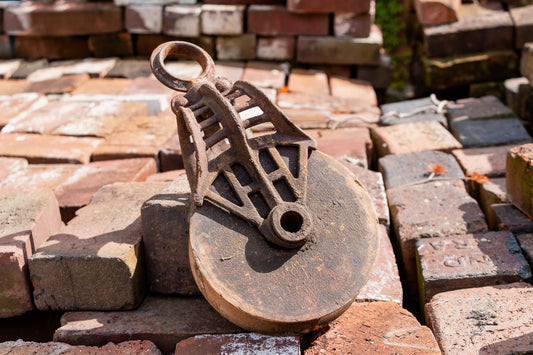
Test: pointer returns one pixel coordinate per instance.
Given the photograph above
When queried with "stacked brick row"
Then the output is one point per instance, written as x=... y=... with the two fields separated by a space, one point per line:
x=519 y=91
x=336 y=33
x=470 y=46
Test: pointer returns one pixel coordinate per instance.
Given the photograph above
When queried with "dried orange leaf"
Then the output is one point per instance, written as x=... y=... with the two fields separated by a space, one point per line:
x=283 y=89
x=436 y=169
x=479 y=178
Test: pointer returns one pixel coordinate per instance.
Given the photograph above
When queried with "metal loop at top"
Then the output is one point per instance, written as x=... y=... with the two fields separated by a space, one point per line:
x=157 y=62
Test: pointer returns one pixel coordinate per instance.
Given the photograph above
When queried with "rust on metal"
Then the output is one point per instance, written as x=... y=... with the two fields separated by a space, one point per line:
x=282 y=237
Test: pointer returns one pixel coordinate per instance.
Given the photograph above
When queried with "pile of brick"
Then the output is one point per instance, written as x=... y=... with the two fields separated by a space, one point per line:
x=472 y=46
x=336 y=34
x=94 y=232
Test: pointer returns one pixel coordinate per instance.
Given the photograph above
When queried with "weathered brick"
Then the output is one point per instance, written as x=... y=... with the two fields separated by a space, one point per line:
x=236 y=47
x=182 y=21
x=134 y=347
x=10 y=165
x=380 y=76
x=506 y=217
x=48 y=149
x=308 y=118
x=170 y=157
x=12 y=87
x=145 y=44
x=26 y=221
x=143 y=136
x=413 y=168
x=102 y=87
x=478 y=29
x=478 y=108
x=8 y=67
x=165 y=223
x=350 y=24
x=413 y=137
x=143 y=18
x=337 y=50
x=100 y=246
x=154 y=320
x=517 y=93
x=488 y=161
x=276 y=48
x=436 y=12
x=47 y=118
x=53 y=70
x=95 y=67
x=356 y=6
x=492 y=192
x=12 y=106
x=434 y=209
x=153 y=2
x=411 y=111
x=130 y=69
x=522 y=17
x=273 y=20
x=526 y=243
x=443 y=73
x=308 y=81
x=170 y=175
x=77 y=190
x=147 y=86
x=37 y=177
x=35 y=47
x=486 y=133
x=491 y=319
x=101 y=119
x=243 y=2
x=28 y=67
x=264 y=74
x=72 y=19
x=222 y=19
x=466 y=261
x=526 y=62
x=373 y=182
x=353 y=88
x=354 y=143
x=245 y=343
x=118 y=44
x=375 y=328
x=62 y=85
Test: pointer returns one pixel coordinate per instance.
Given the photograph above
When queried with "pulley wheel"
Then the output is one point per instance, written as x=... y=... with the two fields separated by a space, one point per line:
x=265 y=288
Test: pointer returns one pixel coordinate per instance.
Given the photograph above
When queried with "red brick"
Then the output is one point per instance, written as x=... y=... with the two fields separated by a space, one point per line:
x=13 y=105
x=34 y=47
x=488 y=161
x=355 y=6
x=431 y=12
x=8 y=67
x=341 y=50
x=134 y=347
x=37 y=177
x=77 y=190
x=312 y=82
x=492 y=192
x=100 y=246
x=163 y=320
x=222 y=19
x=182 y=20
x=143 y=18
x=506 y=217
x=170 y=175
x=307 y=118
x=466 y=261
x=522 y=18
x=26 y=221
x=264 y=74
x=130 y=69
x=10 y=165
x=6 y=47
x=243 y=2
x=375 y=328
x=353 y=88
x=276 y=48
x=102 y=87
x=479 y=29
x=415 y=168
x=95 y=67
x=143 y=136
x=519 y=178
x=232 y=71
x=102 y=118
x=434 y=209
x=491 y=319
x=170 y=157
x=145 y=44
x=384 y=283
x=347 y=142
x=29 y=67
x=147 y=86
x=165 y=222
x=47 y=118
x=12 y=87
x=62 y=85
x=111 y=45
x=244 y=343
x=413 y=137
x=373 y=182
x=273 y=20
x=236 y=47
x=48 y=149
x=62 y=19
x=352 y=25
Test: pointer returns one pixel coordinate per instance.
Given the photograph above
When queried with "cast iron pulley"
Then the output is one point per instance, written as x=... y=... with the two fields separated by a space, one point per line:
x=282 y=237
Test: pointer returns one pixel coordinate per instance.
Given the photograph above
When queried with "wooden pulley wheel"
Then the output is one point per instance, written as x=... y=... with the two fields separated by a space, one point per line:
x=282 y=237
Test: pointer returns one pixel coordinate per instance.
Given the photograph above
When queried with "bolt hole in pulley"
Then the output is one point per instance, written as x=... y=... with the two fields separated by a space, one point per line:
x=296 y=265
